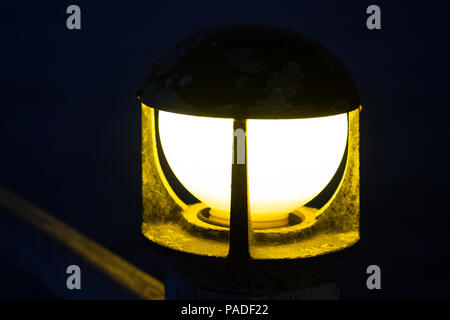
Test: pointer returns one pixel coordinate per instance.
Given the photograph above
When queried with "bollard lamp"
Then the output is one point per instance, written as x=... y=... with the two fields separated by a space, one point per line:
x=250 y=147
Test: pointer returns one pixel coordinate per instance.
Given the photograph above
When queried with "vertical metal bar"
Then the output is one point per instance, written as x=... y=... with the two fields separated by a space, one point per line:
x=240 y=224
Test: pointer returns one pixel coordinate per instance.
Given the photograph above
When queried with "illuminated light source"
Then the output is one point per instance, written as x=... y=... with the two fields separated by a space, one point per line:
x=289 y=161
x=298 y=108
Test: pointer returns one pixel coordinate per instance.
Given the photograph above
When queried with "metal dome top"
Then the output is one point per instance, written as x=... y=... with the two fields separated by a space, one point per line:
x=250 y=72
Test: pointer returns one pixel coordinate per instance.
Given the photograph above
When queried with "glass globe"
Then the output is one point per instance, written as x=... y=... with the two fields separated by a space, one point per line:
x=289 y=161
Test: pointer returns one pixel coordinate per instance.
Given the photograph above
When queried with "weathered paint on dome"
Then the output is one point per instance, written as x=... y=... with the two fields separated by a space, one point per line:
x=250 y=71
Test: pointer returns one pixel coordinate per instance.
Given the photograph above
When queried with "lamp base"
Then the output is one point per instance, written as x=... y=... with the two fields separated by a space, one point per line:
x=222 y=280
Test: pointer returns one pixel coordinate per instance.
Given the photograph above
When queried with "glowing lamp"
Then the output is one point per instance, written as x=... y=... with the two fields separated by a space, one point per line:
x=250 y=147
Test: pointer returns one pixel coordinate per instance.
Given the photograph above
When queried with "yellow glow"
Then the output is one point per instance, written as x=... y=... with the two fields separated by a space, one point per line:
x=289 y=161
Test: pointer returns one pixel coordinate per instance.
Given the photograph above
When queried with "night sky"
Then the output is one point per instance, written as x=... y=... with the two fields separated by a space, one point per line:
x=69 y=123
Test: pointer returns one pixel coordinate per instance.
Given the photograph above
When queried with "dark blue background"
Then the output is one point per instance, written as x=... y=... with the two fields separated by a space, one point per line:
x=69 y=122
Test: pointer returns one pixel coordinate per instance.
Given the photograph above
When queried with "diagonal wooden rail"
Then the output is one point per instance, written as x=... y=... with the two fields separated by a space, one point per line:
x=105 y=261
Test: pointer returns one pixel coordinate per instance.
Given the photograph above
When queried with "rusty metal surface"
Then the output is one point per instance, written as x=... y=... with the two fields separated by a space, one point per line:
x=336 y=228
x=250 y=71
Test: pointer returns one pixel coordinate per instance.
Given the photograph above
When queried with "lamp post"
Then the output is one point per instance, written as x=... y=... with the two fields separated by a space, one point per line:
x=298 y=108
